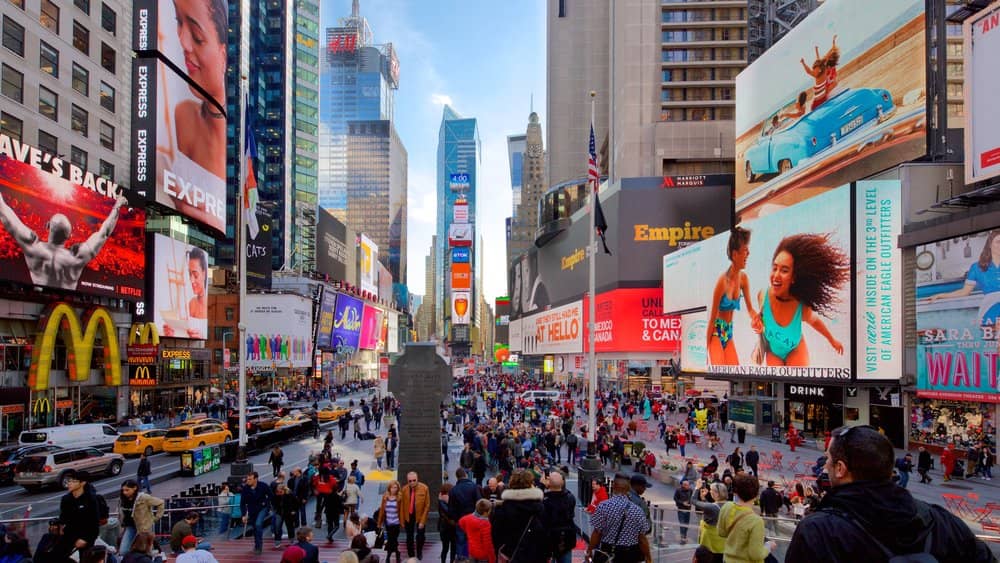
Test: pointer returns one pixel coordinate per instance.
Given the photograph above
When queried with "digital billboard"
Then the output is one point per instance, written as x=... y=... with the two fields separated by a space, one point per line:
x=982 y=120
x=559 y=330
x=460 y=234
x=324 y=330
x=285 y=344
x=694 y=350
x=258 y=251
x=459 y=182
x=461 y=307
x=461 y=275
x=332 y=253
x=632 y=320
x=958 y=305
x=779 y=302
x=368 y=274
x=346 y=325
x=838 y=98
x=392 y=336
x=461 y=211
x=66 y=228
x=460 y=255
x=179 y=280
x=178 y=145
x=371 y=324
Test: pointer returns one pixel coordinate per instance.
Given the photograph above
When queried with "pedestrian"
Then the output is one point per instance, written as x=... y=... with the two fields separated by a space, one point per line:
x=710 y=505
x=137 y=512
x=277 y=459
x=303 y=539
x=924 y=462
x=742 y=528
x=390 y=450
x=333 y=507
x=752 y=458
x=378 y=448
x=299 y=485
x=225 y=504
x=682 y=499
x=558 y=509
x=359 y=545
x=185 y=529
x=415 y=499
x=986 y=461
x=142 y=473
x=948 y=458
x=479 y=531
x=793 y=437
x=735 y=460
x=681 y=442
x=352 y=497
x=388 y=519
x=462 y=501
x=139 y=552
x=904 y=466
x=190 y=553
x=617 y=527
x=771 y=502
x=255 y=505
x=286 y=513
x=867 y=518
x=447 y=526
x=79 y=513
x=518 y=529
x=638 y=485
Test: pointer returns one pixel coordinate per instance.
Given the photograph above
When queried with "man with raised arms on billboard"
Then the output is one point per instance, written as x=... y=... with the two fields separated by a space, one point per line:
x=50 y=263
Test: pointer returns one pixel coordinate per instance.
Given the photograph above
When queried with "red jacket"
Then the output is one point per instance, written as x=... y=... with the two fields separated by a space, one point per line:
x=479 y=533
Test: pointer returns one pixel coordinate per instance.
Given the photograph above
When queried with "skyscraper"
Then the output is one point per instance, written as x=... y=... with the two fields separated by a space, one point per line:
x=516 y=145
x=533 y=185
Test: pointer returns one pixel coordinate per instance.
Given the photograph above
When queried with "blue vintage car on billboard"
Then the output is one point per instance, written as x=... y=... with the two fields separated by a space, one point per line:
x=784 y=142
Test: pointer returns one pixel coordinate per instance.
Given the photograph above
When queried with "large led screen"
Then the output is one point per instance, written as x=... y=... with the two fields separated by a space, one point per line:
x=324 y=330
x=982 y=82
x=180 y=288
x=332 y=253
x=284 y=344
x=66 y=228
x=958 y=305
x=371 y=324
x=840 y=97
x=368 y=274
x=346 y=325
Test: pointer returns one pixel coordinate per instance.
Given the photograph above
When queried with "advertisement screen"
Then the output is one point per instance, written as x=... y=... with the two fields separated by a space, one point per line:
x=371 y=324
x=259 y=254
x=516 y=337
x=461 y=307
x=460 y=234
x=459 y=182
x=94 y=242
x=180 y=288
x=787 y=313
x=958 y=305
x=346 y=324
x=392 y=338
x=838 y=98
x=461 y=211
x=632 y=320
x=461 y=275
x=285 y=344
x=326 y=309
x=460 y=255
x=332 y=256
x=982 y=82
x=559 y=330
x=178 y=145
x=369 y=271
x=694 y=351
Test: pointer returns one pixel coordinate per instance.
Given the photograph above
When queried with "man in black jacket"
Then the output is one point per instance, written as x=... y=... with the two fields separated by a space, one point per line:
x=924 y=465
x=143 y=473
x=461 y=501
x=255 y=505
x=770 y=505
x=865 y=517
x=78 y=511
x=557 y=513
x=752 y=458
x=304 y=537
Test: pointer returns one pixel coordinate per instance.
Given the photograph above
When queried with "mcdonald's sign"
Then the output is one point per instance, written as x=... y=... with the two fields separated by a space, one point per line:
x=144 y=333
x=142 y=376
x=41 y=405
x=60 y=317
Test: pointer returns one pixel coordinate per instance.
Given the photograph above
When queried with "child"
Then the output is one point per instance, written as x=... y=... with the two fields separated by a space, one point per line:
x=479 y=531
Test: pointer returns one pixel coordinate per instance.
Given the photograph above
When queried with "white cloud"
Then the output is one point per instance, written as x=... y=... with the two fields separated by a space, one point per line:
x=441 y=99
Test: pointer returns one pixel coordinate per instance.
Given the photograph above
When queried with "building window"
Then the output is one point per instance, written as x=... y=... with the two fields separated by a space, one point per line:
x=13 y=36
x=107 y=97
x=11 y=126
x=47 y=142
x=48 y=103
x=107 y=136
x=79 y=120
x=48 y=59
x=107 y=57
x=13 y=84
x=107 y=169
x=18 y=3
x=78 y=157
x=81 y=80
x=81 y=37
x=230 y=313
x=49 y=16
x=109 y=20
x=83 y=5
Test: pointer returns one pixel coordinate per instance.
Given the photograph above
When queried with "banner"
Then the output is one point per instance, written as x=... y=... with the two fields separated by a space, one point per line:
x=180 y=288
x=332 y=252
x=982 y=82
x=324 y=331
x=369 y=272
x=77 y=233
x=632 y=320
x=142 y=376
x=515 y=336
x=259 y=255
x=559 y=330
x=79 y=342
x=461 y=275
x=461 y=307
x=392 y=341
x=371 y=323
x=346 y=325
x=694 y=352
x=279 y=331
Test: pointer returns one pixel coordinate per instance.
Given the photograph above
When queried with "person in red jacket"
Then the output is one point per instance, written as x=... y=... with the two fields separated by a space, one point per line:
x=600 y=494
x=479 y=532
x=948 y=457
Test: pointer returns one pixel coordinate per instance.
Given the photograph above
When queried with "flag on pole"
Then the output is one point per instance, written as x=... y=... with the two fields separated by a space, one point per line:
x=594 y=177
x=249 y=178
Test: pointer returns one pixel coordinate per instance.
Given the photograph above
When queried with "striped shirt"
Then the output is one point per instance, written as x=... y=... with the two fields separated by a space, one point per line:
x=392 y=511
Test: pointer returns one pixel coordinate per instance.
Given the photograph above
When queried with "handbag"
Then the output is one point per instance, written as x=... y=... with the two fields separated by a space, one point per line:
x=599 y=556
x=502 y=557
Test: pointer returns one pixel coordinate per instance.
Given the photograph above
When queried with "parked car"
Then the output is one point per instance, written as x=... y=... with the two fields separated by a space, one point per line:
x=191 y=436
x=10 y=455
x=784 y=142
x=95 y=434
x=293 y=419
x=272 y=399
x=202 y=418
x=331 y=412
x=140 y=441
x=40 y=470
x=258 y=419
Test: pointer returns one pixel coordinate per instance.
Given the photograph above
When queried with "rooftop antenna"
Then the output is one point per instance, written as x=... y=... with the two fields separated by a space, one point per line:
x=532 y=102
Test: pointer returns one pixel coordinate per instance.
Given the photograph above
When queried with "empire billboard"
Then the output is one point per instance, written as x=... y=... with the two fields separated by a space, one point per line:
x=94 y=241
x=838 y=98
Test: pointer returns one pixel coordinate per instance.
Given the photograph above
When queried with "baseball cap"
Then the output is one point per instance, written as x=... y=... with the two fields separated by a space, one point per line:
x=638 y=479
x=293 y=554
x=189 y=541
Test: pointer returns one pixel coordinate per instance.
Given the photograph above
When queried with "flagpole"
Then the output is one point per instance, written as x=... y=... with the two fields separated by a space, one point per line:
x=242 y=257
x=591 y=355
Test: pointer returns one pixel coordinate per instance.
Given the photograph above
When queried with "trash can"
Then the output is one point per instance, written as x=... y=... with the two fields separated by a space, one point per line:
x=775 y=433
x=741 y=434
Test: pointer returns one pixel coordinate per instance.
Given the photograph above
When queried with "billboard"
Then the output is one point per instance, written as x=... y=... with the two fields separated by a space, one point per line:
x=838 y=98
x=178 y=145
x=259 y=254
x=346 y=325
x=461 y=307
x=982 y=120
x=79 y=336
x=460 y=234
x=284 y=344
x=179 y=281
x=559 y=330
x=461 y=275
x=392 y=338
x=94 y=242
x=332 y=255
x=694 y=350
x=645 y=222
x=788 y=313
x=632 y=320
x=324 y=330
x=516 y=335
x=461 y=255
x=371 y=325
x=368 y=274
x=461 y=211
x=459 y=182
x=958 y=305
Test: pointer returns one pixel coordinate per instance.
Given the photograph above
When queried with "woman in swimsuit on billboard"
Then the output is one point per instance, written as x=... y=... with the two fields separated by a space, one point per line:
x=824 y=73
x=731 y=285
x=807 y=272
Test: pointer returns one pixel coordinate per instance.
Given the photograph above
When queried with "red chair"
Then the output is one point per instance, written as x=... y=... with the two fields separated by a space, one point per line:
x=776 y=460
x=985 y=514
x=958 y=505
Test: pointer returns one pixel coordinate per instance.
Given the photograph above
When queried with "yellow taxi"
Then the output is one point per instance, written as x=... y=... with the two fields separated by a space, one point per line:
x=202 y=419
x=191 y=436
x=292 y=419
x=140 y=441
x=331 y=412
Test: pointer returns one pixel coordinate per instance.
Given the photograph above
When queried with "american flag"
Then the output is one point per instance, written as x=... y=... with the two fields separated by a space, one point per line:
x=594 y=178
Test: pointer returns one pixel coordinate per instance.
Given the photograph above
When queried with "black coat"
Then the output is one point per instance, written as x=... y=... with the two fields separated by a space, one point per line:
x=891 y=515
x=462 y=498
x=519 y=510
x=312 y=552
x=558 y=508
x=752 y=458
x=770 y=501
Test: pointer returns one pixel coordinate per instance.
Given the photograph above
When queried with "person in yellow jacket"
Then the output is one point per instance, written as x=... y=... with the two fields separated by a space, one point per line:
x=742 y=528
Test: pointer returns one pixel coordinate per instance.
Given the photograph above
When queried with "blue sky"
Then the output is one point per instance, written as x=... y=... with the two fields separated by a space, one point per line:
x=484 y=58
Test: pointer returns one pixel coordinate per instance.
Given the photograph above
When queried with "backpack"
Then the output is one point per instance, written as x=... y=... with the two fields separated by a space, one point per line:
x=102 y=508
x=924 y=556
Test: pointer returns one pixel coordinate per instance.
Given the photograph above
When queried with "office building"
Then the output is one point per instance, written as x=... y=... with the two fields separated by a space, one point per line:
x=533 y=184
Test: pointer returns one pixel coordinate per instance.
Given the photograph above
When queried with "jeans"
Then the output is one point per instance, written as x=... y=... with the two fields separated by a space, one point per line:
x=223 y=523
x=682 y=451
x=128 y=536
x=564 y=558
x=302 y=512
x=904 y=478
x=144 y=484
x=258 y=528
x=390 y=458
x=417 y=533
x=988 y=470
x=276 y=523
x=461 y=544
x=684 y=517
x=378 y=461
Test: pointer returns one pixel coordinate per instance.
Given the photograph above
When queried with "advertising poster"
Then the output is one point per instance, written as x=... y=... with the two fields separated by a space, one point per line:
x=982 y=82
x=371 y=324
x=694 y=350
x=632 y=320
x=460 y=234
x=461 y=275
x=515 y=339
x=838 y=98
x=879 y=280
x=326 y=309
x=259 y=254
x=787 y=312
x=94 y=241
x=392 y=338
x=461 y=211
x=369 y=271
x=180 y=288
x=459 y=182
x=332 y=254
x=346 y=325
x=275 y=344
x=559 y=330
x=178 y=144
x=460 y=255
x=958 y=305
x=461 y=307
